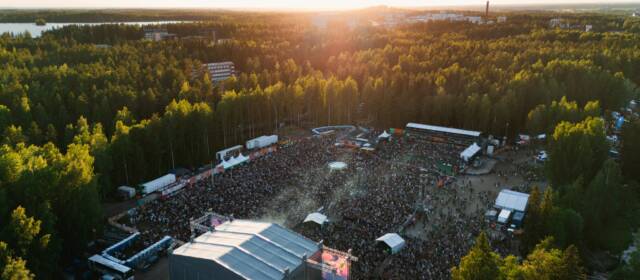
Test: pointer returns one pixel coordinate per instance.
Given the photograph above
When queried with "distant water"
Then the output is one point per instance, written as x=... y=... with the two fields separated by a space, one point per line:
x=36 y=30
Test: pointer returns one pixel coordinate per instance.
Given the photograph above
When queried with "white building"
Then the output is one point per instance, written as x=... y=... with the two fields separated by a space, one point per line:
x=511 y=206
x=557 y=23
x=502 y=19
x=242 y=249
x=588 y=28
x=220 y=71
x=157 y=34
x=474 y=19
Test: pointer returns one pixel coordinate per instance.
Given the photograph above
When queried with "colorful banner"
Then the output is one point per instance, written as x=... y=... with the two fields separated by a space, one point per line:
x=339 y=264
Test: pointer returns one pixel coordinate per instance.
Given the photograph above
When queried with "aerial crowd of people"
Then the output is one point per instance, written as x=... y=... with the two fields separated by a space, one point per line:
x=393 y=189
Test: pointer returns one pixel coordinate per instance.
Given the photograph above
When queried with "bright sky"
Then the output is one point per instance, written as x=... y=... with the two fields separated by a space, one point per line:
x=278 y=4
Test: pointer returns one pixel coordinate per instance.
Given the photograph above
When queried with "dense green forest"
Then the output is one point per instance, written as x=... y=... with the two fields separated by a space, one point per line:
x=79 y=119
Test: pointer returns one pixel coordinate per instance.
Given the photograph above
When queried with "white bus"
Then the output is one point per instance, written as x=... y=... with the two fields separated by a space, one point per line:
x=105 y=266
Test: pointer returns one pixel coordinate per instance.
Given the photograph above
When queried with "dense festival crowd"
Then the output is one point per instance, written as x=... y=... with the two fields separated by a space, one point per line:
x=377 y=193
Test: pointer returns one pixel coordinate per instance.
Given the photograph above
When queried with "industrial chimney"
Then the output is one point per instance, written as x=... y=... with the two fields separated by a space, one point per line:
x=486 y=13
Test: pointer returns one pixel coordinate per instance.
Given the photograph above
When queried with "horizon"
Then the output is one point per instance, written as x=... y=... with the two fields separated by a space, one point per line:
x=292 y=5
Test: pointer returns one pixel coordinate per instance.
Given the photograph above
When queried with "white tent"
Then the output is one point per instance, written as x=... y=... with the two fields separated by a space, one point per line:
x=470 y=151
x=317 y=218
x=233 y=161
x=512 y=200
x=337 y=165
x=384 y=135
x=393 y=240
x=504 y=215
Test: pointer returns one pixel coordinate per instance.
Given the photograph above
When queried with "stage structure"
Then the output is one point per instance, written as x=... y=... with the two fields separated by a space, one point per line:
x=230 y=248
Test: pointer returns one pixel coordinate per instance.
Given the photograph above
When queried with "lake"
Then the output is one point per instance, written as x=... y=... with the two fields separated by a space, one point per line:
x=36 y=30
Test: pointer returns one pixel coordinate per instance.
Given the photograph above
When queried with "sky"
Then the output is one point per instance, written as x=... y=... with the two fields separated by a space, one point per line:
x=277 y=4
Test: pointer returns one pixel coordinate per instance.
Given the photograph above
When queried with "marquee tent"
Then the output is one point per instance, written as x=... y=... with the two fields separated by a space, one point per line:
x=317 y=218
x=512 y=200
x=393 y=240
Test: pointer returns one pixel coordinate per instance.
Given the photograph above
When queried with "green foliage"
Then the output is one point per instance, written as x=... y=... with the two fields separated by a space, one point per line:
x=576 y=149
x=480 y=263
x=543 y=118
x=631 y=268
x=59 y=192
x=544 y=262
x=631 y=150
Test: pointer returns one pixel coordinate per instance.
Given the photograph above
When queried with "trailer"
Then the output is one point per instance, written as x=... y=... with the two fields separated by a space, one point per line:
x=158 y=183
x=261 y=142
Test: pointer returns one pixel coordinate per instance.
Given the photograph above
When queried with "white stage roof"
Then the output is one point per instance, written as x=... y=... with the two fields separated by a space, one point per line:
x=253 y=250
x=444 y=129
x=512 y=200
x=393 y=240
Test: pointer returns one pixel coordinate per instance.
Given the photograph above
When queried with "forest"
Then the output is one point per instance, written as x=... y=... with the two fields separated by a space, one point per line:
x=84 y=109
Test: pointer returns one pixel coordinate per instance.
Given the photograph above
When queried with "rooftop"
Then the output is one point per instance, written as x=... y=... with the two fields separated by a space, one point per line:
x=444 y=129
x=512 y=200
x=253 y=250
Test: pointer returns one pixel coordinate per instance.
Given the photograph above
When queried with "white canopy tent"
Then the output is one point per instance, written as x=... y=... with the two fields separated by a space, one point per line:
x=384 y=135
x=317 y=218
x=233 y=161
x=470 y=152
x=512 y=200
x=393 y=240
x=504 y=215
x=337 y=165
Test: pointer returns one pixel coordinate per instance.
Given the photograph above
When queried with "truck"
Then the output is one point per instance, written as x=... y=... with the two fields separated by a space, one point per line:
x=157 y=184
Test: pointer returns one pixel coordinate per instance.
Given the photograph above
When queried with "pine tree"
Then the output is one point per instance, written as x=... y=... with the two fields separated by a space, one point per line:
x=481 y=263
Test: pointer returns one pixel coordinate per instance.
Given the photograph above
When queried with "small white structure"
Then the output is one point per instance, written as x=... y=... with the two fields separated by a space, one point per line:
x=502 y=19
x=126 y=192
x=393 y=240
x=512 y=200
x=504 y=215
x=470 y=152
x=384 y=135
x=337 y=165
x=158 y=183
x=317 y=218
x=588 y=28
x=233 y=161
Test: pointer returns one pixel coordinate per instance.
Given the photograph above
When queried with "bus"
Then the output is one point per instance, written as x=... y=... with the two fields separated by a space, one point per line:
x=102 y=265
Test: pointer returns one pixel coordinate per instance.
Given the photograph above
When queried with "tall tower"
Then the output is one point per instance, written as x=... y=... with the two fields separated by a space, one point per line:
x=486 y=13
